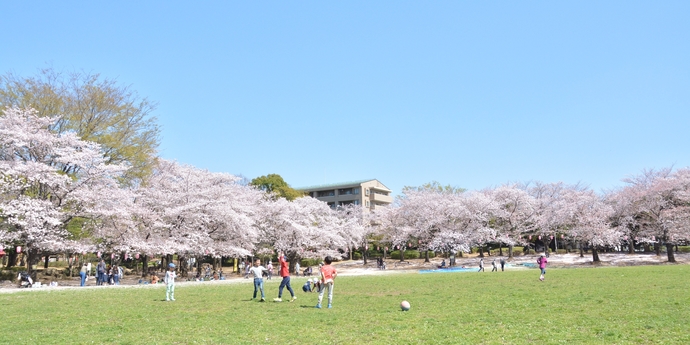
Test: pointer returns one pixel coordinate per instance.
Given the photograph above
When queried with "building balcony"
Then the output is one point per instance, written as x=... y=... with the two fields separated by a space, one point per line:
x=387 y=199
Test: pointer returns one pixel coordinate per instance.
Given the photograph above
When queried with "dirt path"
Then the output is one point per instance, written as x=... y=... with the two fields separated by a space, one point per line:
x=357 y=267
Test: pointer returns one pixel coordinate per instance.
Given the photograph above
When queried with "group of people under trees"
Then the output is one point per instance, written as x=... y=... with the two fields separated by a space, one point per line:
x=105 y=274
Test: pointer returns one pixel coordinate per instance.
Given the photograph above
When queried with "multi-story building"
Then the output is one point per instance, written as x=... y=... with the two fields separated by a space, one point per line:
x=368 y=193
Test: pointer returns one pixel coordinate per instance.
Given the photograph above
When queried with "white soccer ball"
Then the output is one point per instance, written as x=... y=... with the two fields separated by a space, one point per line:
x=405 y=305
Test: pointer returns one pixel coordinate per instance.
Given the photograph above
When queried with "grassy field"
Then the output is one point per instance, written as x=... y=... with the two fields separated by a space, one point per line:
x=628 y=305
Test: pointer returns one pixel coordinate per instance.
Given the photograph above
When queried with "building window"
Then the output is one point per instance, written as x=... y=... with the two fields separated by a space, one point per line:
x=356 y=190
x=356 y=202
x=366 y=203
x=324 y=193
x=345 y=191
x=366 y=192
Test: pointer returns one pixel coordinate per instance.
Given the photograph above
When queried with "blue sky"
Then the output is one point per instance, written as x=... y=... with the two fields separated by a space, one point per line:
x=468 y=93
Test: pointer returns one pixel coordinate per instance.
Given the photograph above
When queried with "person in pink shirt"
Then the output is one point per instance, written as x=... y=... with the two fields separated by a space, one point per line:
x=328 y=274
x=285 y=273
x=542 y=265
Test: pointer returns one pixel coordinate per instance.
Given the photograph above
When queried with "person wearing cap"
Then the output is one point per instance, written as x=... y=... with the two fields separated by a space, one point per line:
x=169 y=280
x=307 y=286
x=542 y=265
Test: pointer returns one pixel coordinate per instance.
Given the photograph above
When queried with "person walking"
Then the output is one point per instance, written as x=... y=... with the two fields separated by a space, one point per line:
x=481 y=265
x=257 y=271
x=503 y=263
x=328 y=274
x=542 y=265
x=297 y=268
x=82 y=274
x=285 y=273
x=100 y=270
x=493 y=264
x=169 y=280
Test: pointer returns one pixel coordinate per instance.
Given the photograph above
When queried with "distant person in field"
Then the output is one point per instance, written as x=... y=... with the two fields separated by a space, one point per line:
x=257 y=271
x=297 y=268
x=481 y=265
x=285 y=273
x=493 y=264
x=542 y=265
x=503 y=263
x=269 y=268
x=328 y=274
x=169 y=281
x=83 y=274
x=100 y=270
x=443 y=263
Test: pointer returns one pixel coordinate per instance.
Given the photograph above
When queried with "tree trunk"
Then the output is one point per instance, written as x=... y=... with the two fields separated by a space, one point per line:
x=144 y=265
x=364 y=255
x=669 y=252
x=481 y=251
x=631 y=247
x=510 y=251
x=11 y=257
x=500 y=249
x=657 y=248
x=402 y=254
x=46 y=259
x=582 y=254
x=595 y=255
x=32 y=259
x=426 y=255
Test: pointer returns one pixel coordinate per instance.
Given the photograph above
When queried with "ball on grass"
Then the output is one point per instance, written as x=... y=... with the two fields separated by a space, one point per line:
x=405 y=305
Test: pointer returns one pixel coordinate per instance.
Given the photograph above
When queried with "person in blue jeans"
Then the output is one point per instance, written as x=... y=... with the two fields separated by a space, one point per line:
x=82 y=274
x=257 y=271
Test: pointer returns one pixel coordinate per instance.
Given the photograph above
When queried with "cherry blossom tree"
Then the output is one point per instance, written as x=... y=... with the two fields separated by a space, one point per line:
x=193 y=212
x=658 y=202
x=303 y=228
x=587 y=219
x=514 y=214
x=46 y=180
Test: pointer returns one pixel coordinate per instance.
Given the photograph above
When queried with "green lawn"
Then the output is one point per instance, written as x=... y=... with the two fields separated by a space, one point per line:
x=629 y=305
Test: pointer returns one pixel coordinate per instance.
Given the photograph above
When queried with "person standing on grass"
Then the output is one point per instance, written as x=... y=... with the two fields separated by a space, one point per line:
x=100 y=270
x=328 y=274
x=542 y=265
x=169 y=280
x=82 y=274
x=297 y=268
x=116 y=275
x=269 y=267
x=493 y=264
x=285 y=273
x=503 y=263
x=257 y=271
x=481 y=265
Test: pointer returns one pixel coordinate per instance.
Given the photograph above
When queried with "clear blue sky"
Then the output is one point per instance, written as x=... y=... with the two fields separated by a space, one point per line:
x=468 y=93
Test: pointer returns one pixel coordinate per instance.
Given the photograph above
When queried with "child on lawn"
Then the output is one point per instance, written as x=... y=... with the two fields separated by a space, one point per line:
x=328 y=275
x=257 y=271
x=285 y=273
x=170 y=283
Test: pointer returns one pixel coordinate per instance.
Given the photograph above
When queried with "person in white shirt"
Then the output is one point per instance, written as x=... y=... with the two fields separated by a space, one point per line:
x=169 y=280
x=257 y=271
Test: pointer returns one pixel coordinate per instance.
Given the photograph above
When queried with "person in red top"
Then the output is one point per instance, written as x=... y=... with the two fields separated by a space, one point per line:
x=328 y=275
x=542 y=265
x=285 y=273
